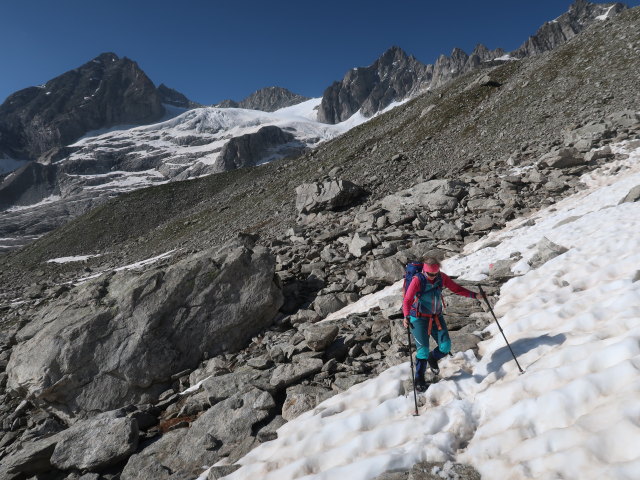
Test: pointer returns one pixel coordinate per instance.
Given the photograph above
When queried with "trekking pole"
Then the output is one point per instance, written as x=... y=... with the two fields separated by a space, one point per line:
x=413 y=376
x=498 y=323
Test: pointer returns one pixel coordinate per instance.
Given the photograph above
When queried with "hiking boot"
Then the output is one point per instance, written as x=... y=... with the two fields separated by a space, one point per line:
x=433 y=364
x=421 y=385
x=421 y=368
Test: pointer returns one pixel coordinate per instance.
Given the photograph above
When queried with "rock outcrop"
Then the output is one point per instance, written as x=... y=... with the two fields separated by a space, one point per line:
x=250 y=149
x=118 y=340
x=27 y=185
x=103 y=92
x=267 y=99
x=393 y=77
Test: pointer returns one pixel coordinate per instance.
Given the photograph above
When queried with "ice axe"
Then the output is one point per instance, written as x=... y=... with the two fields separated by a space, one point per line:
x=484 y=295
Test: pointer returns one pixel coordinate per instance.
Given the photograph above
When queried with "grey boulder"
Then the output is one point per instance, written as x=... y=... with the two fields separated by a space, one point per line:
x=385 y=270
x=187 y=451
x=331 y=195
x=360 y=244
x=244 y=379
x=562 y=158
x=546 y=250
x=32 y=458
x=289 y=373
x=100 y=442
x=440 y=195
x=302 y=398
x=119 y=339
x=332 y=302
x=632 y=196
x=320 y=336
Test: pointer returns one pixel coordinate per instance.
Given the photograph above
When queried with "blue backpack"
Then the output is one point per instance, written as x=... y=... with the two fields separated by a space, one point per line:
x=411 y=270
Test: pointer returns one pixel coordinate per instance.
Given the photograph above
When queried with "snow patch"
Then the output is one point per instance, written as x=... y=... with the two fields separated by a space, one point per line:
x=49 y=199
x=77 y=258
x=605 y=15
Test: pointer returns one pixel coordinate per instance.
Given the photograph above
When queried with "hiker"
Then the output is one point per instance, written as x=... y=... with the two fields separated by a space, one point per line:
x=422 y=309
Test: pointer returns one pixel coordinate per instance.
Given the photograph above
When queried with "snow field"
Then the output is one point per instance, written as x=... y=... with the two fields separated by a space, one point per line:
x=574 y=324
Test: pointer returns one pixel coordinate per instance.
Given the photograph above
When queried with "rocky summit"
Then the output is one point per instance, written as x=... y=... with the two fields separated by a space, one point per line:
x=180 y=327
x=267 y=99
x=104 y=92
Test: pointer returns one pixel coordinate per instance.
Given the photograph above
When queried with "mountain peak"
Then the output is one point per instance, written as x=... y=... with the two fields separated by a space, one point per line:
x=268 y=99
x=106 y=57
x=103 y=92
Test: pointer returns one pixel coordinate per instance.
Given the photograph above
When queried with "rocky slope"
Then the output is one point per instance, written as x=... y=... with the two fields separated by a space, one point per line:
x=267 y=99
x=490 y=146
x=395 y=76
x=103 y=92
x=186 y=414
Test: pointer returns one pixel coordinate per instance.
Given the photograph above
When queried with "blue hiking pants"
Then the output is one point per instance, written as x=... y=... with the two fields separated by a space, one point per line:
x=420 y=333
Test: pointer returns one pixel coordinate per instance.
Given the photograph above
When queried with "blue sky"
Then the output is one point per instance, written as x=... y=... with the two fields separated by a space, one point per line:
x=217 y=49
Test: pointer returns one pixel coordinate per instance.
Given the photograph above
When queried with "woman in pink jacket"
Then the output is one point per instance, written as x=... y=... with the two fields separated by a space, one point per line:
x=422 y=309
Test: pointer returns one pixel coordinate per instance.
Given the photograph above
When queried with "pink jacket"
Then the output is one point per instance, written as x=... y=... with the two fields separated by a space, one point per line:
x=414 y=288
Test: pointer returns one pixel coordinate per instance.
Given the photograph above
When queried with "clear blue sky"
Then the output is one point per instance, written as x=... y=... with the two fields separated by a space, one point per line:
x=216 y=49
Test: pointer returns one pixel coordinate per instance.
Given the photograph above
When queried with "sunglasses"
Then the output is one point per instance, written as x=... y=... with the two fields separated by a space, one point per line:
x=432 y=274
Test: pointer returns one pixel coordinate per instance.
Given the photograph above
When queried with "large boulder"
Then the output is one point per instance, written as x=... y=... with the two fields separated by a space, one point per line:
x=440 y=195
x=385 y=270
x=33 y=458
x=118 y=339
x=545 y=251
x=562 y=158
x=250 y=149
x=97 y=443
x=184 y=452
x=331 y=195
x=302 y=398
x=360 y=244
x=320 y=336
x=289 y=373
